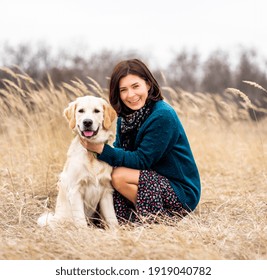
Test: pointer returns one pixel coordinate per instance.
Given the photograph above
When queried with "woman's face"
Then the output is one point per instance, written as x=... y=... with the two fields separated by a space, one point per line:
x=133 y=91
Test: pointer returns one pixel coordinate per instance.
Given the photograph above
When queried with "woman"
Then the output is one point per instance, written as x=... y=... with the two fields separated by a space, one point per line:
x=154 y=168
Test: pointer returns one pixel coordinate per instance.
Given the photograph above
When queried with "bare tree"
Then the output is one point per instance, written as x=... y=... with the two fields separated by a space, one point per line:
x=183 y=72
x=216 y=73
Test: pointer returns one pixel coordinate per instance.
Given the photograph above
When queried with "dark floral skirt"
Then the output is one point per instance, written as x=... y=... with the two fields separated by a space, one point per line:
x=155 y=198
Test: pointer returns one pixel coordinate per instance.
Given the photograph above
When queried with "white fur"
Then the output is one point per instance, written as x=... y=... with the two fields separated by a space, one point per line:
x=85 y=181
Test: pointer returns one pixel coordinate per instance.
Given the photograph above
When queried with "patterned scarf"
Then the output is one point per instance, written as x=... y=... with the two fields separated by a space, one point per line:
x=131 y=123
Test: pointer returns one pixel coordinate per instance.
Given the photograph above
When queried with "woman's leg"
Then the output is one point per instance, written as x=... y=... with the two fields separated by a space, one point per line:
x=156 y=196
x=125 y=181
x=150 y=193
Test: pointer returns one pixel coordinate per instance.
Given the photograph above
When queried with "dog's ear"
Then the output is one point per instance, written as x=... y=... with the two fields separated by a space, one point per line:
x=69 y=114
x=109 y=116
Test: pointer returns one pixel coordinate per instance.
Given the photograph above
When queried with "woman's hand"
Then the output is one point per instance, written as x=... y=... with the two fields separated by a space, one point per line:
x=97 y=148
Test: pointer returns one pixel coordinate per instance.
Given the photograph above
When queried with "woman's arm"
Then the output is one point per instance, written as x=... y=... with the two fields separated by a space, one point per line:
x=159 y=136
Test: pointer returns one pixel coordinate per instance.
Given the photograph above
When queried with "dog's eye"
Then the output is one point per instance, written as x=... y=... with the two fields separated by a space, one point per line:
x=81 y=111
x=96 y=111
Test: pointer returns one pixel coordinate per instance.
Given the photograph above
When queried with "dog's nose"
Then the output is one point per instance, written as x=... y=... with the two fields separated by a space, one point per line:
x=87 y=123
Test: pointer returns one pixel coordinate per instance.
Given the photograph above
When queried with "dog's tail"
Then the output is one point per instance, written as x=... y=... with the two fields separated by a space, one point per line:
x=45 y=219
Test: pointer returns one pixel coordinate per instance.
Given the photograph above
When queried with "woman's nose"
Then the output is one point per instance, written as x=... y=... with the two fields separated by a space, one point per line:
x=130 y=92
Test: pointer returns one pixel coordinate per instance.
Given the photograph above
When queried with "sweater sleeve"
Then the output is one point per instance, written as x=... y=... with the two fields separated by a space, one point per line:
x=116 y=143
x=157 y=139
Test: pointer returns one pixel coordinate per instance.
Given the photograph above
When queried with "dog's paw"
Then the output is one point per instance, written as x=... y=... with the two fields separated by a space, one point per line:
x=80 y=224
x=112 y=223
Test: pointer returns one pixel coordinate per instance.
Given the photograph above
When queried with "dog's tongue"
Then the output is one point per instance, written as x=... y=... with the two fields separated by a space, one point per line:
x=88 y=133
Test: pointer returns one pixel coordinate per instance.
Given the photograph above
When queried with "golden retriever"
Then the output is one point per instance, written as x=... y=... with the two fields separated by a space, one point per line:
x=85 y=182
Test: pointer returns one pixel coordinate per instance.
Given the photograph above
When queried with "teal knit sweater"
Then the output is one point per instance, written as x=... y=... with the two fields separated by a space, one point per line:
x=161 y=145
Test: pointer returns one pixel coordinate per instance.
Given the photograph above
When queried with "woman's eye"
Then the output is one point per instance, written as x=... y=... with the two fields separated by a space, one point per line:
x=81 y=111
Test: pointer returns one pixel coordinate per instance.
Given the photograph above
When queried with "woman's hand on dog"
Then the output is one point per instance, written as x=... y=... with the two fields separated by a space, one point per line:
x=96 y=148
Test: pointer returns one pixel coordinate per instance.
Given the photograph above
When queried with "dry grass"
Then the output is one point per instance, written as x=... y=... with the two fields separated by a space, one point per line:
x=230 y=150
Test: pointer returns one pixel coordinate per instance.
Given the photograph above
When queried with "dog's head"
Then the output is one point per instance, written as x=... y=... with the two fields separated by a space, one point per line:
x=91 y=117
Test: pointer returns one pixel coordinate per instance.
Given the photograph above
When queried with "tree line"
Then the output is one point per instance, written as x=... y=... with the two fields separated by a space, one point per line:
x=186 y=71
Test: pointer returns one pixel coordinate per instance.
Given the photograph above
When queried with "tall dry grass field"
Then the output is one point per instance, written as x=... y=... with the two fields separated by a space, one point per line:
x=229 y=148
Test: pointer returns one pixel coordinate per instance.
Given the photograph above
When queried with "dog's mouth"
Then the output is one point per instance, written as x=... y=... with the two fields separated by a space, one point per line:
x=89 y=133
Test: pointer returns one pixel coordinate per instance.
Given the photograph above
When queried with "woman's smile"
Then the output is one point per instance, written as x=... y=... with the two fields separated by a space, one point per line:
x=134 y=101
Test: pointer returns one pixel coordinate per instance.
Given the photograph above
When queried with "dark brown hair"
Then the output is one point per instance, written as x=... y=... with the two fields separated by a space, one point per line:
x=134 y=67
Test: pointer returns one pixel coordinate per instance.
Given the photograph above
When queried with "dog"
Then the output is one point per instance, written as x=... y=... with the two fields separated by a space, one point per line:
x=85 y=182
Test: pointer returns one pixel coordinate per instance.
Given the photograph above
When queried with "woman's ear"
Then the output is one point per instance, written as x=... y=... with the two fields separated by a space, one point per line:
x=69 y=114
x=109 y=116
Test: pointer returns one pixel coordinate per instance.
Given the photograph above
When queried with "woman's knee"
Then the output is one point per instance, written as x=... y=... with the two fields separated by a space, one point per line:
x=117 y=178
x=122 y=176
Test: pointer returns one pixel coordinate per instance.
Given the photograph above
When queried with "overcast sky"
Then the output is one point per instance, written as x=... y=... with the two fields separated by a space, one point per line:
x=157 y=28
